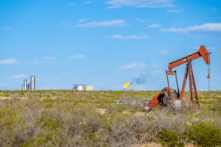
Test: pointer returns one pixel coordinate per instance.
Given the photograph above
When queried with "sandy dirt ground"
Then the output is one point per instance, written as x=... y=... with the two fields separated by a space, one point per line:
x=154 y=144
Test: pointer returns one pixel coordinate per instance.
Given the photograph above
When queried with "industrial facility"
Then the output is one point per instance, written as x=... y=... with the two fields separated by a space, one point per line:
x=83 y=88
x=30 y=86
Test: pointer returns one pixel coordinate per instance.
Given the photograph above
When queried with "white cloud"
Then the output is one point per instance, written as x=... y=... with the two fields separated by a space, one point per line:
x=7 y=48
x=9 y=61
x=7 y=29
x=47 y=62
x=31 y=62
x=49 y=58
x=59 y=78
x=47 y=87
x=114 y=23
x=88 y=2
x=129 y=37
x=214 y=9
x=154 y=26
x=197 y=47
x=81 y=20
x=71 y=5
x=158 y=72
x=18 y=76
x=205 y=28
x=48 y=80
x=136 y=65
x=218 y=78
x=163 y=52
x=4 y=84
x=77 y=57
x=140 y=3
x=211 y=48
x=142 y=20
x=173 y=11
x=64 y=24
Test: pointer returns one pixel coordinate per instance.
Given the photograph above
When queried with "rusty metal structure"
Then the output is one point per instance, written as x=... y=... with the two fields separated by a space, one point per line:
x=167 y=96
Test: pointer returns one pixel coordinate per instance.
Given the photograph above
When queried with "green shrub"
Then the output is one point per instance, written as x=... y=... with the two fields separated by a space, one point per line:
x=72 y=118
x=50 y=123
x=34 y=142
x=171 y=139
x=49 y=105
x=204 y=134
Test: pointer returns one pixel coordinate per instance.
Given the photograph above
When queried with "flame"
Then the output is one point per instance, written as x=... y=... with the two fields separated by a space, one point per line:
x=126 y=85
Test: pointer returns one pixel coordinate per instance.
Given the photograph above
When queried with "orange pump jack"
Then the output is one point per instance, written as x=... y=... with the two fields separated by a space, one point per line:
x=168 y=95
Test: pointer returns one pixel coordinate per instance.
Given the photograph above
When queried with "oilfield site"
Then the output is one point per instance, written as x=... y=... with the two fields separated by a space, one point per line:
x=110 y=73
x=83 y=117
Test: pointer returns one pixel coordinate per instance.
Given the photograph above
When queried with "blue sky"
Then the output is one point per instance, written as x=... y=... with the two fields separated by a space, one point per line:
x=106 y=43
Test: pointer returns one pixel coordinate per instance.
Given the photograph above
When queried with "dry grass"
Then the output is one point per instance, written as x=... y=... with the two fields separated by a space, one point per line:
x=67 y=118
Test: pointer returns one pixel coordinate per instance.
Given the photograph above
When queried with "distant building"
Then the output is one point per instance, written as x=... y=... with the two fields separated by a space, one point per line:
x=89 y=88
x=30 y=86
x=83 y=87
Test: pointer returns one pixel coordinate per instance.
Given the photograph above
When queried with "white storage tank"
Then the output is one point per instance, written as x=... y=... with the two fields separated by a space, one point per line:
x=33 y=83
x=89 y=88
x=25 y=84
x=79 y=87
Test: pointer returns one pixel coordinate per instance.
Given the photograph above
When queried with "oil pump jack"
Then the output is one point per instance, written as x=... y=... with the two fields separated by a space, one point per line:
x=167 y=97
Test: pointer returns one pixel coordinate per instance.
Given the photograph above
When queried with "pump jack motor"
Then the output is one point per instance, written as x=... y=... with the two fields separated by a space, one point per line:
x=169 y=97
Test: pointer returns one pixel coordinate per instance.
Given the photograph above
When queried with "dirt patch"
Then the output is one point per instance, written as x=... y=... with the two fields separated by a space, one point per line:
x=101 y=111
x=149 y=144
x=4 y=98
x=154 y=144
x=189 y=145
